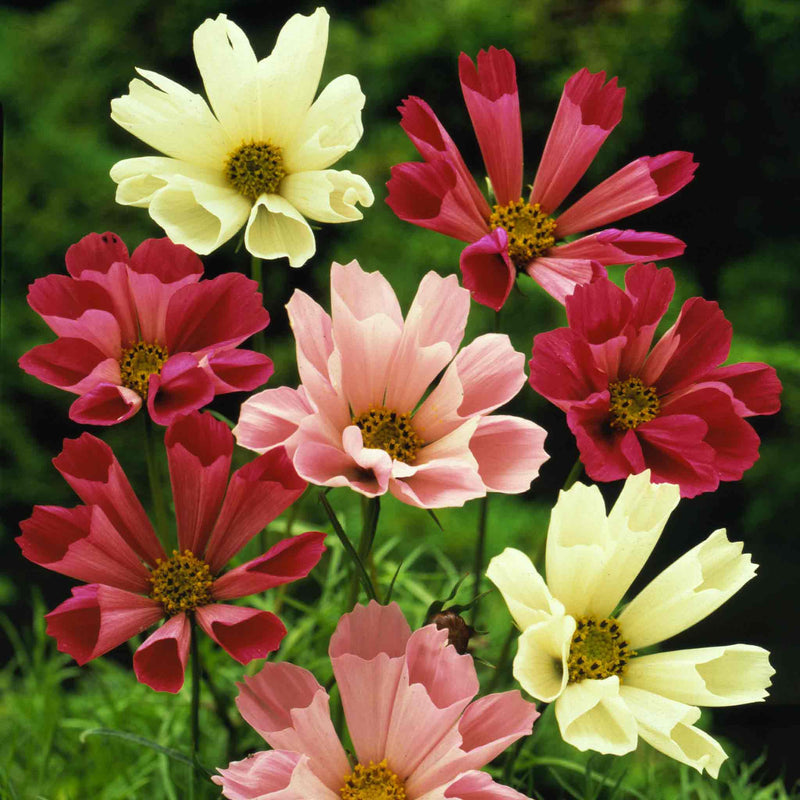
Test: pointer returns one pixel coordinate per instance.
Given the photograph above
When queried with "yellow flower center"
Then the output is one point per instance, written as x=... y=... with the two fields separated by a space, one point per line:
x=632 y=403
x=255 y=168
x=181 y=583
x=529 y=229
x=374 y=782
x=597 y=650
x=389 y=431
x=138 y=363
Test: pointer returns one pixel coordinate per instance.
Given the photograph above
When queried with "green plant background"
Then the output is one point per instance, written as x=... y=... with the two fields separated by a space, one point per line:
x=718 y=79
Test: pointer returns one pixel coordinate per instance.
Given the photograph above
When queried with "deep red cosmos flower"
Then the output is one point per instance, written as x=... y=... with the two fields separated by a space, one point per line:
x=518 y=234
x=134 y=583
x=144 y=329
x=671 y=409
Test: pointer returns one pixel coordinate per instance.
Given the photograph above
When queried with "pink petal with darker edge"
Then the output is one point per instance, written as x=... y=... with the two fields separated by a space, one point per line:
x=181 y=387
x=237 y=370
x=487 y=270
x=106 y=404
x=243 y=633
x=96 y=252
x=613 y=246
x=160 y=662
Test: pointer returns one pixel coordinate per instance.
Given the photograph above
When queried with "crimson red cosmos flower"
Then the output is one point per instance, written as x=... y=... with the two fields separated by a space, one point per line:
x=516 y=234
x=671 y=409
x=144 y=328
x=133 y=583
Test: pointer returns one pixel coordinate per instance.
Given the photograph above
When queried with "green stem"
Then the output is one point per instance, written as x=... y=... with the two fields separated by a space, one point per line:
x=505 y=652
x=480 y=548
x=361 y=572
x=195 y=710
x=259 y=340
x=370 y=511
x=220 y=702
x=155 y=477
x=574 y=474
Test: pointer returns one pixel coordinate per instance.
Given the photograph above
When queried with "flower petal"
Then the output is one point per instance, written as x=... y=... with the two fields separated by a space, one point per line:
x=276 y=228
x=106 y=404
x=687 y=591
x=476 y=785
x=180 y=388
x=487 y=271
x=613 y=246
x=74 y=365
x=327 y=195
x=96 y=252
x=243 y=633
x=756 y=387
x=269 y=418
x=559 y=276
x=261 y=776
x=160 y=662
x=237 y=370
x=540 y=665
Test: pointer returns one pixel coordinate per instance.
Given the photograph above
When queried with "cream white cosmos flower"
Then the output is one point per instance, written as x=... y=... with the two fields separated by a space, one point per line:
x=260 y=158
x=575 y=650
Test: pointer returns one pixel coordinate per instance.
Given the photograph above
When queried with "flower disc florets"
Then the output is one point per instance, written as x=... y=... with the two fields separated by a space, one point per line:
x=181 y=583
x=597 y=650
x=255 y=168
x=632 y=403
x=529 y=229
x=138 y=363
x=373 y=782
x=385 y=429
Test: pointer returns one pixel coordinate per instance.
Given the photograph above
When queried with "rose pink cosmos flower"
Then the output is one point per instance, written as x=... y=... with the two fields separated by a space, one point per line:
x=406 y=699
x=133 y=583
x=518 y=234
x=670 y=409
x=144 y=329
x=359 y=419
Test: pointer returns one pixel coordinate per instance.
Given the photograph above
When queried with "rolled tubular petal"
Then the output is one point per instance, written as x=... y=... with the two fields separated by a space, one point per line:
x=691 y=588
x=89 y=466
x=180 y=388
x=487 y=270
x=257 y=493
x=592 y=715
x=287 y=706
x=160 y=662
x=490 y=93
x=199 y=451
x=106 y=404
x=289 y=560
x=588 y=111
x=540 y=665
x=243 y=633
x=276 y=228
x=237 y=370
x=707 y=676
x=98 y=618
x=613 y=246
x=328 y=195
x=639 y=185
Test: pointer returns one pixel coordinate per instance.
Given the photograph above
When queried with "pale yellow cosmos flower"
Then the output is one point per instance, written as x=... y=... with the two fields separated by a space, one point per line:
x=259 y=156
x=577 y=650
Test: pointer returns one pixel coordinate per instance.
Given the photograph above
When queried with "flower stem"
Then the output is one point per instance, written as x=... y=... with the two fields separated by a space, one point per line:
x=195 y=708
x=156 y=481
x=480 y=548
x=259 y=341
x=505 y=652
x=574 y=474
x=360 y=570
x=370 y=511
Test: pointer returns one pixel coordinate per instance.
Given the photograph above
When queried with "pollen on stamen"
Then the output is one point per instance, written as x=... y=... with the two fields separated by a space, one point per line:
x=373 y=782
x=387 y=430
x=255 y=168
x=529 y=229
x=597 y=650
x=138 y=363
x=631 y=404
x=181 y=583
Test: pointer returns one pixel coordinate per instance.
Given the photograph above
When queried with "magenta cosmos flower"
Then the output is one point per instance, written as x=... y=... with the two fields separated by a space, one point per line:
x=670 y=409
x=518 y=234
x=359 y=418
x=144 y=329
x=133 y=583
x=406 y=698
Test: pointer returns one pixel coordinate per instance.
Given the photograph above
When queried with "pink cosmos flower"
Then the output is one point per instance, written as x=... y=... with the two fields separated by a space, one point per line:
x=359 y=419
x=518 y=234
x=406 y=699
x=133 y=583
x=144 y=328
x=670 y=409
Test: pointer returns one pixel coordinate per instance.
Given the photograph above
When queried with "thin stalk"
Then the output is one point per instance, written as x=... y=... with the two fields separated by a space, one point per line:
x=220 y=702
x=195 y=708
x=370 y=511
x=154 y=476
x=505 y=652
x=259 y=340
x=480 y=548
x=574 y=474
x=361 y=572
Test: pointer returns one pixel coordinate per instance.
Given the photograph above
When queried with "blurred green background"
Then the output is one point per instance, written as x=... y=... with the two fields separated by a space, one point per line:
x=718 y=79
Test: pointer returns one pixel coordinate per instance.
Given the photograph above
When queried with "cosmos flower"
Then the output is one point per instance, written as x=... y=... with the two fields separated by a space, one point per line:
x=670 y=408
x=259 y=156
x=133 y=583
x=576 y=649
x=407 y=701
x=144 y=329
x=519 y=234
x=359 y=419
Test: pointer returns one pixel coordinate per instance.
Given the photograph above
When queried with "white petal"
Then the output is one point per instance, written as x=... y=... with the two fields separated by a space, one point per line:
x=634 y=526
x=540 y=665
x=331 y=128
x=227 y=65
x=667 y=726
x=288 y=79
x=577 y=547
x=698 y=583
x=592 y=716
x=526 y=594
x=276 y=229
x=173 y=120
x=708 y=676
x=327 y=196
